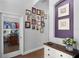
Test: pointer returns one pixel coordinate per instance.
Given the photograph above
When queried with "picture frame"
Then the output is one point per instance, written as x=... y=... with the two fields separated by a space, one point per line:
x=41 y=30
x=33 y=10
x=28 y=12
x=38 y=12
x=33 y=22
x=28 y=18
x=42 y=24
x=64 y=24
x=39 y=23
x=42 y=13
x=33 y=26
x=42 y=18
x=63 y=10
x=27 y=24
x=38 y=18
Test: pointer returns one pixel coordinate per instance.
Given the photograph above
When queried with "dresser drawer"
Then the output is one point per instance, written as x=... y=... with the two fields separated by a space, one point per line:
x=53 y=53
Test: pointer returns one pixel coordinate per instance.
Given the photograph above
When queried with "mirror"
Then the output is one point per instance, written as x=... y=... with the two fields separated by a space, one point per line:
x=10 y=40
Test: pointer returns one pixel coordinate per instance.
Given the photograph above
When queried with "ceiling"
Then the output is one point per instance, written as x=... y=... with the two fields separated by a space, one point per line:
x=16 y=6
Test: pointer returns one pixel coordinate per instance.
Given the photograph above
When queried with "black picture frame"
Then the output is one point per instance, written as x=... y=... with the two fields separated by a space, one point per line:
x=27 y=24
x=33 y=10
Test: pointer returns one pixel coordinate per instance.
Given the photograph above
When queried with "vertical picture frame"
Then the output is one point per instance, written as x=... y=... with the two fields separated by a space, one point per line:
x=33 y=10
x=38 y=12
x=27 y=24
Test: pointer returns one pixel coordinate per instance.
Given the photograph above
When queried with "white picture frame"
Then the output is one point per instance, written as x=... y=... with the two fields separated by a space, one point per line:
x=64 y=24
x=63 y=10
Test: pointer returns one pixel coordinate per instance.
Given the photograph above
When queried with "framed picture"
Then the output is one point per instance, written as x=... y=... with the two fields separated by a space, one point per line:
x=27 y=24
x=38 y=18
x=28 y=18
x=63 y=10
x=42 y=12
x=28 y=12
x=39 y=23
x=33 y=10
x=33 y=22
x=41 y=30
x=42 y=18
x=33 y=26
x=33 y=16
x=64 y=24
x=38 y=12
x=42 y=24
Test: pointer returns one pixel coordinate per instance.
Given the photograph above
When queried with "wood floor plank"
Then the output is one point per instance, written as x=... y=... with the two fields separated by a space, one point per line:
x=36 y=54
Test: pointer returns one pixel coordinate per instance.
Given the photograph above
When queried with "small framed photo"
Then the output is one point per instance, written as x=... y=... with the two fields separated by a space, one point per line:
x=33 y=10
x=27 y=24
x=42 y=18
x=28 y=12
x=39 y=23
x=38 y=12
x=42 y=13
x=28 y=18
x=33 y=26
x=33 y=22
x=41 y=30
x=38 y=18
x=42 y=24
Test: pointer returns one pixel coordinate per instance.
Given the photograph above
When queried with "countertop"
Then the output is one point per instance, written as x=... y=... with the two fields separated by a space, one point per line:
x=62 y=48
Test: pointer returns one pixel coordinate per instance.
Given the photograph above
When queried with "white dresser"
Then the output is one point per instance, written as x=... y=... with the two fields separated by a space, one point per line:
x=54 y=51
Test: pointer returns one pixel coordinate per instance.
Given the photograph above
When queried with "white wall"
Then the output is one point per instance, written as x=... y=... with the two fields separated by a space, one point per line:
x=33 y=38
x=52 y=37
x=0 y=34
x=76 y=21
x=17 y=7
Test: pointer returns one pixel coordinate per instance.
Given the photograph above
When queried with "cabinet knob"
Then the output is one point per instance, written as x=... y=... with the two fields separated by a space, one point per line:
x=48 y=49
x=61 y=55
x=48 y=54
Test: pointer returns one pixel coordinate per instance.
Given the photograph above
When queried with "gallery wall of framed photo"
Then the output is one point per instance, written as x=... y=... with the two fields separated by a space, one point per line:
x=35 y=19
x=64 y=19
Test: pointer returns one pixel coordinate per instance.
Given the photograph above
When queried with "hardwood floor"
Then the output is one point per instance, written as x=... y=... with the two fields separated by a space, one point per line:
x=36 y=54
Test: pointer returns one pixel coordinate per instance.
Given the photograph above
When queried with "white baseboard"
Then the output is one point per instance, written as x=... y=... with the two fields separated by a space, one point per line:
x=12 y=54
x=29 y=51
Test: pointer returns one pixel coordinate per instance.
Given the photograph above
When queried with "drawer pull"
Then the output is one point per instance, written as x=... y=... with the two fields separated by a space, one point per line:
x=61 y=55
x=48 y=49
x=48 y=54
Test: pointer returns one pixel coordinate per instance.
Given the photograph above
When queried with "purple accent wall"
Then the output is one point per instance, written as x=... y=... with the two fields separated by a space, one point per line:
x=64 y=33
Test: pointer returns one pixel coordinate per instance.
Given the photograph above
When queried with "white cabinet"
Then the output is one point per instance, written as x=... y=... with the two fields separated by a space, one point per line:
x=53 y=53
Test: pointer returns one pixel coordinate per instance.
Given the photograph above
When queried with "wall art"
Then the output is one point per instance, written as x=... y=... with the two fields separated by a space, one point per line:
x=28 y=12
x=27 y=24
x=33 y=22
x=33 y=10
x=63 y=10
x=64 y=24
x=38 y=12
x=41 y=30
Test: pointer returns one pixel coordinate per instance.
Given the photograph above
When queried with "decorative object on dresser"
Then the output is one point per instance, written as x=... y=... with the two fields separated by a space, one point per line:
x=69 y=42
